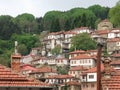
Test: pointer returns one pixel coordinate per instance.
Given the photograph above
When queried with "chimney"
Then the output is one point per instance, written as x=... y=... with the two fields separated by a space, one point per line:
x=15 y=59
x=107 y=68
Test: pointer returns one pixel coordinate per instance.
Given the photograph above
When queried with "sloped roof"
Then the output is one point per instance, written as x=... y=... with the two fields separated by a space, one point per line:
x=99 y=32
x=44 y=69
x=113 y=40
x=73 y=83
x=77 y=68
x=82 y=56
x=94 y=69
x=113 y=83
x=60 y=76
x=12 y=79
x=77 y=51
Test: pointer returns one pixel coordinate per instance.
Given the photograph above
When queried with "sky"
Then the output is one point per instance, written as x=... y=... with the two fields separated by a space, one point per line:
x=39 y=7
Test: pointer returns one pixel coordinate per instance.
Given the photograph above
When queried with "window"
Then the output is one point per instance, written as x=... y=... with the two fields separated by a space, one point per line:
x=92 y=85
x=89 y=61
x=91 y=76
x=83 y=77
x=74 y=62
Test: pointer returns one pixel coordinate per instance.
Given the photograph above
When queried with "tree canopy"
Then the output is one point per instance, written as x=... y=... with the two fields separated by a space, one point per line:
x=114 y=15
x=82 y=42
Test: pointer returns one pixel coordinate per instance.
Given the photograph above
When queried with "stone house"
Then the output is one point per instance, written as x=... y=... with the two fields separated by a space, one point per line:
x=113 y=44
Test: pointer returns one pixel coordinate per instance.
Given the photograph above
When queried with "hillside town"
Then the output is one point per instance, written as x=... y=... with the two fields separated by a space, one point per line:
x=39 y=69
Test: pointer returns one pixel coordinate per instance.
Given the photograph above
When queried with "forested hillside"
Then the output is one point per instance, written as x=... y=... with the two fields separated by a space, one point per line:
x=26 y=28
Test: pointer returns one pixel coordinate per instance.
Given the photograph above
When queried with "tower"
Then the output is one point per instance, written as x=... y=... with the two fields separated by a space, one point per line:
x=15 y=59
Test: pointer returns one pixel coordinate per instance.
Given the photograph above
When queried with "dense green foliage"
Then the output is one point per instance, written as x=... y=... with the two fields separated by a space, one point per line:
x=25 y=28
x=56 y=50
x=114 y=15
x=82 y=42
x=74 y=18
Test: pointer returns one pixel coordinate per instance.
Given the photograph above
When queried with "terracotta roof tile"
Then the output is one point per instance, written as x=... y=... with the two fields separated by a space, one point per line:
x=60 y=76
x=112 y=83
x=77 y=51
x=77 y=68
x=82 y=56
x=113 y=40
x=73 y=83
x=99 y=32
x=9 y=78
x=44 y=69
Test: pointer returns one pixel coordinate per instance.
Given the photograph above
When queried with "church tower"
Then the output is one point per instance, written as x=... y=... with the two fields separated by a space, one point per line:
x=15 y=59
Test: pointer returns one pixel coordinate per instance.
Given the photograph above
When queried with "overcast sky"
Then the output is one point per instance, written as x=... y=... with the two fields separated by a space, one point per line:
x=40 y=7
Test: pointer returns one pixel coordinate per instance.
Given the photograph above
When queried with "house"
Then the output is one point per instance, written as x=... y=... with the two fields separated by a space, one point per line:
x=111 y=78
x=59 y=79
x=43 y=72
x=92 y=52
x=89 y=78
x=26 y=69
x=9 y=80
x=113 y=44
x=112 y=83
x=35 y=51
x=115 y=64
x=83 y=60
x=67 y=39
x=72 y=85
x=76 y=53
x=114 y=33
x=101 y=33
x=81 y=30
x=39 y=61
x=76 y=71
x=62 y=61
x=27 y=59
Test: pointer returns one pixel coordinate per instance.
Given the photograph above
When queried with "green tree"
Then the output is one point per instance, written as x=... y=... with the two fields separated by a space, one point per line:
x=82 y=41
x=114 y=15
x=27 y=23
x=49 y=18
x=7 y=27
x=28 y=40
x=22 y=49
x=99 y=11
x=56 y=50
x=55 y=26
x=63 y=69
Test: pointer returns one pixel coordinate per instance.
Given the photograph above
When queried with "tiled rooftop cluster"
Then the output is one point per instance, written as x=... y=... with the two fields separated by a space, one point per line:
x=11 y=79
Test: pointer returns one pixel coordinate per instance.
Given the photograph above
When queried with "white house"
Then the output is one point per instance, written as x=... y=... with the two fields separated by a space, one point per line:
x=114 y=33
x=81 y=30
x=89 y=78
x=83 y=60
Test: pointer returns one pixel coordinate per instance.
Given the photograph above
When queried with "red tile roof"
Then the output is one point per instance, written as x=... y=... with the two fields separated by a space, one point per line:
x=81 y=28
x=93 y=70
x=70 y=32
x=77 y=68
x=116 y=55
x=113 y=40
x=82 y=56
x=44 y=69
x=77 y=51
x=60 y=77
x=113 y=83
x=99 y=32
x=115 y=62
x=11 y=79
x=73 y=83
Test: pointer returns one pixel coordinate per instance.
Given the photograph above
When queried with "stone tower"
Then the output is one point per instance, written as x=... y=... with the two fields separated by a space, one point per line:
x=15 y=59
x=105 y=25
